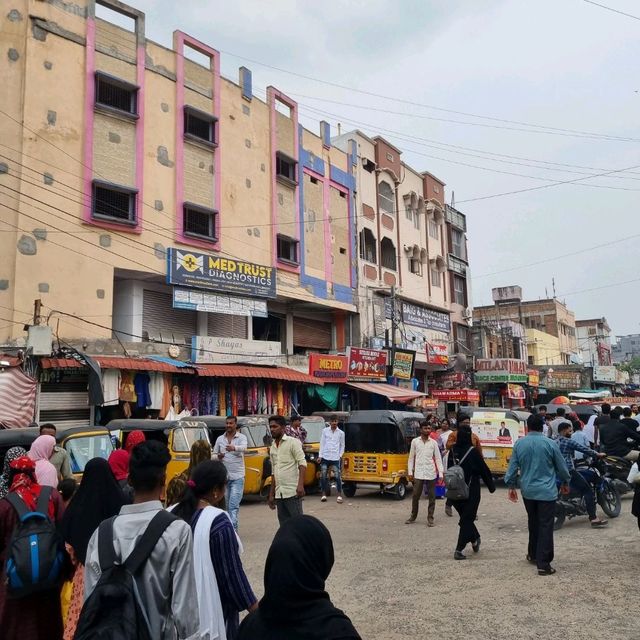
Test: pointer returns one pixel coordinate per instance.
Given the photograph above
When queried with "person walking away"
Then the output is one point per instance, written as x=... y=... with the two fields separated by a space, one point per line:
x=538 y=462
x=589 y=431
x=628 y=419
x=330 y=456
x=447 y=430
x=474 y=467
x=569 y=446
x=221 y=583
x=424 y=468
x=119 y=464
x=40 y=452
x=581 y=438
x=288 y=466
x=601 y=420
x=230 y=448
x=296 y=430
x=98 y=498
x=615 y=437
x=295 y=605
x=36 y=616
x=5 y=479
x=200 y=451
x=59 y=458
x=558 y=420
x=165 y=582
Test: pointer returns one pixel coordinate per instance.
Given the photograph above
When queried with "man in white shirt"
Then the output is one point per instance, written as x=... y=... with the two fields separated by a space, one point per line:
x=230 y=447
x=331 y=452
x=425 y=466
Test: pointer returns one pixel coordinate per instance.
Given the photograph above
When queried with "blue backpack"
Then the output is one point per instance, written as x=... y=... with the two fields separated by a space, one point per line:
x=36 y=551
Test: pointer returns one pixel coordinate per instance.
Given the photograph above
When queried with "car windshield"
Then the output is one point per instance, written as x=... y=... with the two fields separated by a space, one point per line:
x=257 y=431
x=84 y=448
x=314 y=428
x=184 y=437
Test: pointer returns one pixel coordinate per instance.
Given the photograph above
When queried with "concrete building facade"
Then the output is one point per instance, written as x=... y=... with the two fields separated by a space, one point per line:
x=626 y=348
x=594 y=341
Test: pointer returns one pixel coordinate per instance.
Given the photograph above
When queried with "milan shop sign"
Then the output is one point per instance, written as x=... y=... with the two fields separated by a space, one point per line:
x=367 y=365
x=329 y=368
x=501 y=370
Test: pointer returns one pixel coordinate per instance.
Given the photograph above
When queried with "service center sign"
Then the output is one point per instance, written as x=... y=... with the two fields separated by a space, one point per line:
x=329 y=368
x=193 y=269
x=501 y=370
x=367 y=365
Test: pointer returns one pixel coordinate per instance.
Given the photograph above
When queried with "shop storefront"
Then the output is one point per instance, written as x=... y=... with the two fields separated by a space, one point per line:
x=561 y=380
x=501 y=381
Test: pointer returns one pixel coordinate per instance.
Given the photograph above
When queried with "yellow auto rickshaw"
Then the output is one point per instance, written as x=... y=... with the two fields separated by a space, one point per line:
x=377 y=450
x=178 y=435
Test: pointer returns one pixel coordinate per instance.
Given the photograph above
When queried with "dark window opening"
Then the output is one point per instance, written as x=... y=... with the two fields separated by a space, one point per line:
x=313 y=180
x=368 y=165
x=415 y=266
x=342 y=194
x=368 y=246
x=287 y=249
x=388 y=254
x=343 y=251
x=114 y=203
x=269 y=328
x=286 y=168
x=200 y=125
x=200 y=222
x=116 y=94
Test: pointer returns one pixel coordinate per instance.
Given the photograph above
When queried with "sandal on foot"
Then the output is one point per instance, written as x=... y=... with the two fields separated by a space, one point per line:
x=546 y=572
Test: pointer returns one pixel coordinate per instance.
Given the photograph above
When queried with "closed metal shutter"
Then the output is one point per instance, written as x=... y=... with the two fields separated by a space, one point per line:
x=225 y=325
x=161 y=321
x=65 y=403
x=311 y=334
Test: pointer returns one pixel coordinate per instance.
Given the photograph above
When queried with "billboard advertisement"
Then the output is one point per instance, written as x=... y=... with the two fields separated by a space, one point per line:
x=367 y=365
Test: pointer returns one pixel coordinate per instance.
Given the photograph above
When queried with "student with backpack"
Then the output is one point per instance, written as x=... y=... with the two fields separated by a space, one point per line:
x=462 y=478
x=139 y=577
x=30 y=584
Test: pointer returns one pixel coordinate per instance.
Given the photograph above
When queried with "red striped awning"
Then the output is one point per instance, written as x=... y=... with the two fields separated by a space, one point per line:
x=17 y=398
x=248 y=371
x=116 y=362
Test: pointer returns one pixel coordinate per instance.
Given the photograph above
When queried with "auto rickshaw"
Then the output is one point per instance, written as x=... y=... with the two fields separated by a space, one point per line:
x=256 y=463
x=377 y=450
x=313 y=425
x=81 y=443
x=178 y=435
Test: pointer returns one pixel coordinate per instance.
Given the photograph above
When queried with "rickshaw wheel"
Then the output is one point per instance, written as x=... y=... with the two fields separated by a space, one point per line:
x=349 y=489
x=400 y=491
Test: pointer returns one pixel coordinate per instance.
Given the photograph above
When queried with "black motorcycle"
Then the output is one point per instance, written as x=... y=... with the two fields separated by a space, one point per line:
x=618 y=471
x=607 y=495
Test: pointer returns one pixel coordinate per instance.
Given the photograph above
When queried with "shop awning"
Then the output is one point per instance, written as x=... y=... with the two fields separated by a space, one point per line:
x=248 y=371
x=118 y=362
x=18 y=398
x=396 y=394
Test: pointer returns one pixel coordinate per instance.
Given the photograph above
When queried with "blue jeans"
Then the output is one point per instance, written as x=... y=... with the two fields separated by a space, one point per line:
x=324 y=467
x=233 y=496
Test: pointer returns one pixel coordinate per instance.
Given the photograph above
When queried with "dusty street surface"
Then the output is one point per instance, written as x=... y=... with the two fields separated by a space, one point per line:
x=400 y=581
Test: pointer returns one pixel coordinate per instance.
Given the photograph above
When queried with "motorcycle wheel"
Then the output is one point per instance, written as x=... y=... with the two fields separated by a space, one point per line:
x=609 y=499
x=558 y=517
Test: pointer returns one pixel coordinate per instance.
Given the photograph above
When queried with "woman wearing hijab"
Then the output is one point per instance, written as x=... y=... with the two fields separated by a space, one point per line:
x=474 y=468
x=295 y=605
x=40 y=452
x=12 y=454
x=98 y=498
x=119 y=463
x=37 y=616
x=133 y=439
x=200 y=452
x=222 y=586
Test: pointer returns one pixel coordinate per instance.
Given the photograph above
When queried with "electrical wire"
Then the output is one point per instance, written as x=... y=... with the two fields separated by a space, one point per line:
x=604 y=6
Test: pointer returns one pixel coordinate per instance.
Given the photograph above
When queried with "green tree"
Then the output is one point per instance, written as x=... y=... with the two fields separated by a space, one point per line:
x=632 y=366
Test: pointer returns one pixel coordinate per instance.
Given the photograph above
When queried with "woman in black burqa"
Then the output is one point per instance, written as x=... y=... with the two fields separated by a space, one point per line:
x=474 y=468
x=295 y=605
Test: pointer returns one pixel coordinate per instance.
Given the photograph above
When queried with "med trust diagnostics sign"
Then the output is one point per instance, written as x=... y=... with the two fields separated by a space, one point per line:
x=194 y=269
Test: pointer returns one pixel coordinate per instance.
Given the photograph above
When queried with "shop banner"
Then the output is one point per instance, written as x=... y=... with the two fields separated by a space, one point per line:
x=195 y=300
x=515 y=392
x=457 y=395
x=604 y=374
x=329 y=368
x=563 y=380
x=199 y=270
x=452 y=380
x=367 y=365
x=402 y=365
x=437 y=353
x=425 y=318
x=501 y=370
x=493 y=434
x=213 y=350
x=430 y=404
x=534 y=378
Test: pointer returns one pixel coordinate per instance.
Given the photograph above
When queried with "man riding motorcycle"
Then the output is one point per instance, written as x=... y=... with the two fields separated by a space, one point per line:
x=578 y=483
x=613 y=438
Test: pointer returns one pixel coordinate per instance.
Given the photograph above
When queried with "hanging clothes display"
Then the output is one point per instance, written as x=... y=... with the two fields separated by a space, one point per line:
x=141 y=385
x=127 y=388
x=156 y=390
x=110 y=387
x=166 y=396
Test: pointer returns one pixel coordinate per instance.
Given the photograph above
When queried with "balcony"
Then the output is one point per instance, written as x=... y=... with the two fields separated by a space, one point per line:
x=456 y=265
x=454 y=217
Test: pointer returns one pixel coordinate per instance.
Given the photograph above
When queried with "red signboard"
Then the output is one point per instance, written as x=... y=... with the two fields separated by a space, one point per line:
x=437 y=353
x=456 y=395
x=333 y=368
x=367 y=364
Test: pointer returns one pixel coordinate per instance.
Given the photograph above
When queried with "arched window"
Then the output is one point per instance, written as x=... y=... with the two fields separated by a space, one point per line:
x=386 y=198
x=368 y=246
x=387 y=254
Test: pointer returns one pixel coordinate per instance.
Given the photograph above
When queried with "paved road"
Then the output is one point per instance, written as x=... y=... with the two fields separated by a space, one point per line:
x=400 y=581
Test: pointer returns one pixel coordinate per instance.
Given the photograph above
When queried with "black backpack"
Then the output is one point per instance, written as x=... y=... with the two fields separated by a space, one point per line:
x=114 y=610
x=36 y=552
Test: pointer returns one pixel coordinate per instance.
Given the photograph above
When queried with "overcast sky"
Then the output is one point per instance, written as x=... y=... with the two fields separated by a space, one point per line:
x=565 y=64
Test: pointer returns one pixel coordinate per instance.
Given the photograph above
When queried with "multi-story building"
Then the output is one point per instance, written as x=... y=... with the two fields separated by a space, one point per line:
x=548 y=316
x=594 y=341
x=407 y=248
x=132 y=172
x=543 y=348
x=626 y=348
